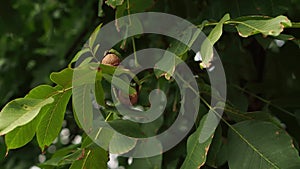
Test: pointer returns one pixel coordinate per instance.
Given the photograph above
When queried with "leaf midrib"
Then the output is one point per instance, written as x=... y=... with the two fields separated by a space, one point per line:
x=253 y=147
x=50 y=120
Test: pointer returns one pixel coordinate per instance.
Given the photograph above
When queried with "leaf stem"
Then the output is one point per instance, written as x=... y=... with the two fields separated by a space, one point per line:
x=295 y=25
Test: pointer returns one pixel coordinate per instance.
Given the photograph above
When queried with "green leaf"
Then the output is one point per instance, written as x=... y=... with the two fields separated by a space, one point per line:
x=196 y=151
x=20 y=112
x=210 y=124
x=94 y=158
x=147 y=163
x=63 y=78
x=41 y=92
x=206 y=49
x=21 y=135
x=52 y=115
x=66 y=155
x=51 y=122
x=260 y=145
x=99 y=92
x=90 y=48
x=92 y=39
x=79 y=54
x=114 y=3
x=189 y=36
x=266 y=27
x=178 y=48
x=168 y=63
x=213 y=152
x=120 y=144
x=84 y=107
x=135 y=27
x=100 y=10
x=108 y=69
x=126 y=127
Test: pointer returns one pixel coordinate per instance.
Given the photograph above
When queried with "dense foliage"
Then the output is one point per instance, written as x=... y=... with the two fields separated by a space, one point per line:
x=258 y=43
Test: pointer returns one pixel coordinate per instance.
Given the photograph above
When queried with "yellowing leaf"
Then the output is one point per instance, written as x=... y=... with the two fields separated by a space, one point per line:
x=196 y=151
x=266 y=27
x=206 y=49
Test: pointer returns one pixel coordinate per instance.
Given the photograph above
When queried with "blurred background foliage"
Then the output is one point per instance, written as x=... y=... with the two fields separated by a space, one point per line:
x=42 y=36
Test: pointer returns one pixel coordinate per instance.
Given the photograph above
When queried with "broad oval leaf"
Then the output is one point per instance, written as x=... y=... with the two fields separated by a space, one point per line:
x=261 y=145
x=51 y=122
x=51 y=116
x=21 y=135
x=20 y=112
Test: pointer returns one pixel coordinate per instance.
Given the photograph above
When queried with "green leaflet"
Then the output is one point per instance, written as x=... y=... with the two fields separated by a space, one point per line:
x=21 y=135
x=63 y=78
x=178 y=48
x=99 y=92
x=94 y=157
x=214 y=152
x=147 y=163
x=52 y=119
x=206 y=49
x=83 y=105
x=90 y=48
x=91 y=44
x=63 y=156
x=52 y=115
x=120 y=144
x=196 y=151
x=100 y=10
x=260 y=145
x=85 y=51
x=20 y=112
x=266 y=27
